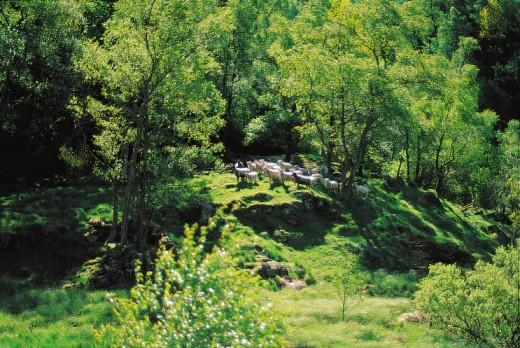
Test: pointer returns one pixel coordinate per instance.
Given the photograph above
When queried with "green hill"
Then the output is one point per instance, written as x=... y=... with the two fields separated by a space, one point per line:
x=396 y=231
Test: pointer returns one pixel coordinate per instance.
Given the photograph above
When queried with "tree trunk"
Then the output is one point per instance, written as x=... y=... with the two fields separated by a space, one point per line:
x=115 y=214
x=141 y=204
x=407 y=153
x=128 y=193
x=417 y=178
x=399 y=168
x=438 y=169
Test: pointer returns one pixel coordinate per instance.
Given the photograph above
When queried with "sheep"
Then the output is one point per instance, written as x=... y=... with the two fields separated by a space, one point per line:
x=332 y=185
x=284 y=165
x=315 y=171
x=240 y=172
x=251 y=177
x=361 y=190
x=274 y=174
x=287 y=176
x=317 y=176
x=304 y=180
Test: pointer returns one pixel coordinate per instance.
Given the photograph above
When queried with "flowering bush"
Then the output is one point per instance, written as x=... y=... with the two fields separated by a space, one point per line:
x=193 y=299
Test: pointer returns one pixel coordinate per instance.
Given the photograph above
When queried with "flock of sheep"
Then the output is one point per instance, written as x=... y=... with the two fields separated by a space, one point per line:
x=284 y=171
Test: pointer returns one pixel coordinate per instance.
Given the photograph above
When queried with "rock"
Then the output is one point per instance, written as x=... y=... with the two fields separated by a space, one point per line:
x=281 y=235
x=91 y=238
x=292 y=284
x=271 y=269
x=413 y=317
x=264 y=234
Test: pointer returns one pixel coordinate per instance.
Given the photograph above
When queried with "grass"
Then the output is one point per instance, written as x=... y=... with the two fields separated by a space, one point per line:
x=48 y=210
x=314 y=320
x=52 y=318
x=396 y=234
x=384 y=222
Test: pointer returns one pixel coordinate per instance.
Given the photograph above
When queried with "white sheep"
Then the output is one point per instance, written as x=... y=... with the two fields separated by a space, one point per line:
x=274 y=174
x=284 y=165
x=318 y=176
x=332 y=185
x=304 y=180
x=361 y=190
x=287 y=176
x=252 y=177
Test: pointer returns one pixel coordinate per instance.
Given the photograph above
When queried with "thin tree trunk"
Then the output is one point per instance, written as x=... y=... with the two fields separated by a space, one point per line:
x=399 y=168
x=417 y=178
x=128 y=193
x=438 y=169
x=115 y=214
x=407 y=153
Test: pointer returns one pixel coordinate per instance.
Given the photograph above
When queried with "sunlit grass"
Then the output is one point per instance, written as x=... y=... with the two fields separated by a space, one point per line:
x=314 y=320
x=53 y=318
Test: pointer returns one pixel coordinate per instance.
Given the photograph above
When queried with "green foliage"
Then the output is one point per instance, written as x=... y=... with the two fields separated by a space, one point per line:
x=509 y=186
x=193 y=299
x=482 y=306
x=347 y=282
x=388 y=284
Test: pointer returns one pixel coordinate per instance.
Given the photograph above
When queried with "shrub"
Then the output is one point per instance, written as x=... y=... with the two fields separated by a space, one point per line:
x=347 y=283
x=194 y=299
x=391 y=284
x=482 y=306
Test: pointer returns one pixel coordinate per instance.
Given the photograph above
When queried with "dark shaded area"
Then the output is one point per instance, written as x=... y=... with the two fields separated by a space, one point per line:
x=41 y=234
x=299 y=225
x=399 y=240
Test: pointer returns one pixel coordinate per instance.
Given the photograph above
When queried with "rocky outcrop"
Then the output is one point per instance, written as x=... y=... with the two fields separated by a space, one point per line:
x=273 y=269
x=413 y=317
x=291 y=284
x=97 y=231
x=116 y=267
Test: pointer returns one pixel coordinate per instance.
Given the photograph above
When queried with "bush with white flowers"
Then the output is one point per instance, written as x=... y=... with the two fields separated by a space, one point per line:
x=193 y=299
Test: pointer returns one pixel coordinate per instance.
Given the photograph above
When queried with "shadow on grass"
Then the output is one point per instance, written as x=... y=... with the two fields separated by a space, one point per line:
x=402 y=230
x=292 y=222
x=41 y=232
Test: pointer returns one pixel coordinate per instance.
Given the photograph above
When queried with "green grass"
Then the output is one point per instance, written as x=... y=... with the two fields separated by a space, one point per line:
x=386 y=221
x=48 y=210
x=314 y=320
x=403 y=229
x=52 y=318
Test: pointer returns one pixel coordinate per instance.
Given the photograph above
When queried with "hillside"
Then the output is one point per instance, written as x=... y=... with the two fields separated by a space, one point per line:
x=396 y=232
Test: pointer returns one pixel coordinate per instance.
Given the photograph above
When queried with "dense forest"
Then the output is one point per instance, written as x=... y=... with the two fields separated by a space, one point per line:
x=200 y=161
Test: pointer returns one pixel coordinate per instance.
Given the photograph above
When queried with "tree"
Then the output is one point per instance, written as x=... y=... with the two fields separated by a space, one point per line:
x=194 y=299
x=37 y=42
x=482 y=306
x=160 y=106
x=337 y=68
x=347 y=282
x=509 y=184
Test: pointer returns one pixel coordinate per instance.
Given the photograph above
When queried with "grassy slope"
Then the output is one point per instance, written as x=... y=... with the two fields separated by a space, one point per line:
x=382 y=220
x=58 y=318
x=34 y=310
